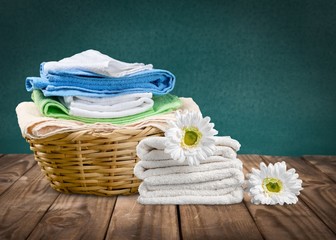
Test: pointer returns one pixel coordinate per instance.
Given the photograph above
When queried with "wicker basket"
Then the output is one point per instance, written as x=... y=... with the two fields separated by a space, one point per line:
x=89 y=162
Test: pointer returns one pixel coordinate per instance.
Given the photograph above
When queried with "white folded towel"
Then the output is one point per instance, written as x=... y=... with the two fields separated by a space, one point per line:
x=35 y=126
x=142 y=171
x=235 y=196
x=96 y=62
x=144 y=191
x=196 y=177
x=158 y=163
x=219 y=186
x=152 y=148
x=210 y=185
x=108 y=107
x=217 y=180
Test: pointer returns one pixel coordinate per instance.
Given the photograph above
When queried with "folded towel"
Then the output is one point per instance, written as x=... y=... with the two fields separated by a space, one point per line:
x=144 y=191
x=210 y=185
x=235 y=196
x=219 y=156
x=108 y=107
x=196 y=177
x=222 y=186
x=82 y=82
x=95 y=62
x=51 y=107
x=214 y=163
x=152 y=148
x=35 y=126
x=217 y=180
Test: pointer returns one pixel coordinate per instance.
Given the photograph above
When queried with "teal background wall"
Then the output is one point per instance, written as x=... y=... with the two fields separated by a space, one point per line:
x=264 y=71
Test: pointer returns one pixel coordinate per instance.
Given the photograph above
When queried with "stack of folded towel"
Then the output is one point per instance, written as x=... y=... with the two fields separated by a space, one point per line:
x=217 y=180
x=93 y=87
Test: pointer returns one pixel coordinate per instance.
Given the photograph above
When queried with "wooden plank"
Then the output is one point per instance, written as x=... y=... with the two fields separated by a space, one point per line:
x=12 y=167
x=131 y=220
x=217 y=222
x=296 y=221
x=319 y=190
x=74 y=216
x=24 y=203
x=326 y=164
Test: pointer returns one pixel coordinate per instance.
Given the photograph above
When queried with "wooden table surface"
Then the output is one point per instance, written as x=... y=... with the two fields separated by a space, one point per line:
x=31 y=209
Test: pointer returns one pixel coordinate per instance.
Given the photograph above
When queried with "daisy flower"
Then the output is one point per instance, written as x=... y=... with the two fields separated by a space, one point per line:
x=190 y=138
x=272 y=184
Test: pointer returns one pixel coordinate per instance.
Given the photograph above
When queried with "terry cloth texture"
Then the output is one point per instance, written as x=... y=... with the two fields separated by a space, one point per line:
x=217 y=180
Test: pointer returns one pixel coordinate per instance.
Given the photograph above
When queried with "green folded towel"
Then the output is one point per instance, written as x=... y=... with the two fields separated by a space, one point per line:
x=51 y=107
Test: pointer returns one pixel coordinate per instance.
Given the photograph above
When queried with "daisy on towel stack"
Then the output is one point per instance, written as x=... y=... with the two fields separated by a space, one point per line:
x=92 y=87
x=189 y=165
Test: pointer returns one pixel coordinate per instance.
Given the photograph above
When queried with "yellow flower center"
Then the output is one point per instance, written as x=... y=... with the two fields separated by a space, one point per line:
x=272 y=185
x=191 y=137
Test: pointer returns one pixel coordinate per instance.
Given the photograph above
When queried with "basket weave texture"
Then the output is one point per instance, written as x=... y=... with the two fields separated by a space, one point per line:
x=90 y=162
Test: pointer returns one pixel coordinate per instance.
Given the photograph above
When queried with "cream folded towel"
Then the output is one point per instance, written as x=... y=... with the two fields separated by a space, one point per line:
x=36 y=126
x=96 y=62
x=152 y=148
x=219 y=186
x=232 y=197
x=144 y=191
x=162 y=163
x=142 y=171
x=209 y=185
x=108 y=107
x=196 y=177
x=217 y=180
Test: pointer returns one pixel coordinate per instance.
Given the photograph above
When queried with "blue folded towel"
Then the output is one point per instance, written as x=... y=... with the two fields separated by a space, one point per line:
x=75 y=82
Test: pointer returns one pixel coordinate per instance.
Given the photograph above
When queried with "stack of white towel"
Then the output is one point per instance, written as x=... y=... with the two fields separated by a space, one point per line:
x=108 y=107
x=217 y=180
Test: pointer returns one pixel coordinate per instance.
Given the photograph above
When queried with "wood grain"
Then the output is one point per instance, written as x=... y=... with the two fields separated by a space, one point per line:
x=284 y=222
x=12 y=167
x=326 y=164
x=319 y=190
x=217 y=222
x=132 y=220
x=30 y=208
x=76 y=217
x=24 y=203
